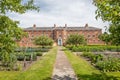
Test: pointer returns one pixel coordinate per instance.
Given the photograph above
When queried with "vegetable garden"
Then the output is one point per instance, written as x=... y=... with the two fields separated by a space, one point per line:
x=104 y=58
x=22 y=58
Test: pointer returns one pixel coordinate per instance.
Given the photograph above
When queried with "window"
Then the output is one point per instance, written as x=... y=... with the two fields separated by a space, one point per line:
x=88 y=36
x=59 y=35
x=93 y=35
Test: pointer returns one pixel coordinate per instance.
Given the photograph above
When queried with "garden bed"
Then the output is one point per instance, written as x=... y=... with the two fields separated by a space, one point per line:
x=103 y=62
x=22 y=58
x=86 y=71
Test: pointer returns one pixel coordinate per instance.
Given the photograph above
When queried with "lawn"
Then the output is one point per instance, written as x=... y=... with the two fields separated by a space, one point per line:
x=40 y=70
x=85 y=71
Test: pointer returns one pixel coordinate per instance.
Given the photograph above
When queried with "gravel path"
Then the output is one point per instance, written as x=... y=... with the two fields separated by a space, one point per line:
x=62 y=68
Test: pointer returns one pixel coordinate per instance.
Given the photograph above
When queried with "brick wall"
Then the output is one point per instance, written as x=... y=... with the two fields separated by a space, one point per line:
x=90 y=35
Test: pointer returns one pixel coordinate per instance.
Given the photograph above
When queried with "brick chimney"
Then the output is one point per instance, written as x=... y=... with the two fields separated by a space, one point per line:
x=34 y=25
x=65 y=25
x=54 y=25
x=86 y=25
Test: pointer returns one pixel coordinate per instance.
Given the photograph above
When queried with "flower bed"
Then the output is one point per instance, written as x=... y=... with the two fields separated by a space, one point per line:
x=100 y=61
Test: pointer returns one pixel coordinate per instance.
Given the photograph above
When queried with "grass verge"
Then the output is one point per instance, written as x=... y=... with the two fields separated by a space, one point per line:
x=85 y=71
x=40 y=70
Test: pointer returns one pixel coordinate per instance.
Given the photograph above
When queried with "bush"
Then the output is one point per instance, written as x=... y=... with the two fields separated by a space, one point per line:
x=43 y=50
x=31 y=56
x=110 y=64
x=34 y=57
x=20 y=56
x=93 y=57
x=75 y=39
x=39 y=53
x=93 y=48
x=28 y=56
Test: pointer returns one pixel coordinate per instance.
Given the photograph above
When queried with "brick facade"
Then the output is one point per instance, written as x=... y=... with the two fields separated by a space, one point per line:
x=59 y=34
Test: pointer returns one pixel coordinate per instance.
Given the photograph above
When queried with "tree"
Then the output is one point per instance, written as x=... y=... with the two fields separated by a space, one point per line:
x=115 y=34
x=75 y=39
x=109 y=10
x=9 y=30
x=105 y=37
x=43 y=41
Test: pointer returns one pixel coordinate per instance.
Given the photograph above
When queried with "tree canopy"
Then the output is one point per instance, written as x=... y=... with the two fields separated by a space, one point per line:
x=19 y=6
x=109 y=10
x=9 y=30
x=75 y=39
x=43 y=41
x=105 y=37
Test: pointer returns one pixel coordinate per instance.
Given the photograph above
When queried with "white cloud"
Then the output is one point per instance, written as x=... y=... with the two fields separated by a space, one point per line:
x=73 y=13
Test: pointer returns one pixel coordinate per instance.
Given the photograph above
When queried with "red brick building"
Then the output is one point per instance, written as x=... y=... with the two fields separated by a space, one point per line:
x=59 y=34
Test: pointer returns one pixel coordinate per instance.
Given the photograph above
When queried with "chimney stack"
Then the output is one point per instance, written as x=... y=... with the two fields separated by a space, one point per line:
x=54 y=25
x=34 y=25
x=65 y=25
x=86 y=25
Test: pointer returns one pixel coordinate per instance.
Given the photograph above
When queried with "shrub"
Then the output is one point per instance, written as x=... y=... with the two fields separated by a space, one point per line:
x=30 y=56
x=93 y=48
x=20 y=56
x=43 y=50
x=43 y=41
x=110 y=64
x=34 y=57
x=39 y=53
x=93 y=57
x=75 y=39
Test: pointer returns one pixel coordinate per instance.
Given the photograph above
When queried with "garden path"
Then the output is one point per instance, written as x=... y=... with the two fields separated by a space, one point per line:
x=62 y=68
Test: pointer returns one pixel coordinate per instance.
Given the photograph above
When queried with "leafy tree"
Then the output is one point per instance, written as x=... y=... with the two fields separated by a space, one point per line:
x=109 y=10
x=43 y=41
x=75 y=39
x=9 y=30
x=115 y=34
x=105 y=37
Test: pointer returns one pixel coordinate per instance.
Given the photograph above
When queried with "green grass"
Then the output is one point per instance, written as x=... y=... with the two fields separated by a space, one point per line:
x=85 y=71
x=40 y=70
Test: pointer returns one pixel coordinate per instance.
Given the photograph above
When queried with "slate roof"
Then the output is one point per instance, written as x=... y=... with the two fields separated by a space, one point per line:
x=60 y=28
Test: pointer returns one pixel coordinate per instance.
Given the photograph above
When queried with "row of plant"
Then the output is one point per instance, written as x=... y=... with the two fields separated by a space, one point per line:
x=10 y=62
x=93 y=48
x=28 y=56
x=106 y=64
x=33 y=49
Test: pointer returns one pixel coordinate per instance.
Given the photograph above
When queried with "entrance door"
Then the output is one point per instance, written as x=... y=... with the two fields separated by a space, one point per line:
x=59 y=42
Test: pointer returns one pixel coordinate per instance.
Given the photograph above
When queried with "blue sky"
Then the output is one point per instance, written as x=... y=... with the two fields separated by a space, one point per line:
x=60 y=12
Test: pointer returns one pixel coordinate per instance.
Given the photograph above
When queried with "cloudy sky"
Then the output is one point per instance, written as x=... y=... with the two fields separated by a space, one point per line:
x=60 y=12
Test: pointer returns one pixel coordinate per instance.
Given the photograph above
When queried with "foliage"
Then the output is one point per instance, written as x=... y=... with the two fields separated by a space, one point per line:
x=40 y=70
x=39 y=53
x=110 y=64
x=85 y=71
x=115 y=33
x=75 y=39
x=9 y=30
x=18 y=6
x=93 y=48
x=28 y=55
x=105 y=37
x=43 y=41
x=109 y=10
x=93 y=57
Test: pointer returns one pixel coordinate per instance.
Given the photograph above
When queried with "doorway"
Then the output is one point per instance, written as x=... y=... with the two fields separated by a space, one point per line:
x=59 y=42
